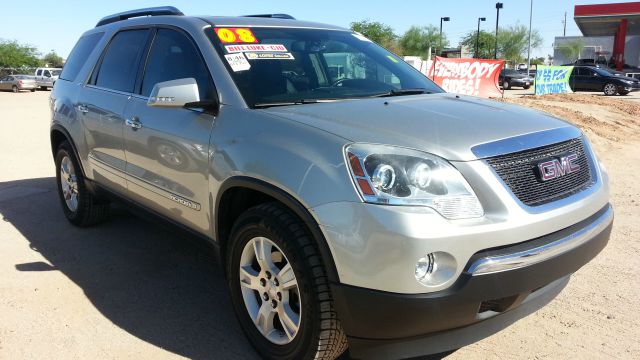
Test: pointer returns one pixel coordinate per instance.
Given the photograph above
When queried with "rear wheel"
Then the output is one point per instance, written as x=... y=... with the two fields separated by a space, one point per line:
x=624 y=92
x=33 y=90
x=14 y=89
x=279 y=287
x=526 y=87
x=78 y=204
x=610 y=89
x=506 y=85
x=43 y=88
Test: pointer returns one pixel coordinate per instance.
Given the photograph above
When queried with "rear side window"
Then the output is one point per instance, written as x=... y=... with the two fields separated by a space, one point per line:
x=78 y=56
x=174 y=56
x=120 y=62
x=39 y=73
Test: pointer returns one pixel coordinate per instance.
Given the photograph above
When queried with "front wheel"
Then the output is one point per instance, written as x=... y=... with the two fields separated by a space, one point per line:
x=14 y=89
x=610 y=89
x=526 y=87
x=624 y=92
x=33 y=90
x=279 y=288
x=506 y=85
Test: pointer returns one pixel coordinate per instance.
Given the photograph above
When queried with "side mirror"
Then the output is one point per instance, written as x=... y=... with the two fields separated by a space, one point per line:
x=174 y=93
x=181 y=93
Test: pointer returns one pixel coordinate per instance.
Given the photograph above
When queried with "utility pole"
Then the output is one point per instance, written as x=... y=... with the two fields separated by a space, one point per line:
x=446 y=18
x=529 y=50
x=475 y=55
x=498 y=7
x=564 y=32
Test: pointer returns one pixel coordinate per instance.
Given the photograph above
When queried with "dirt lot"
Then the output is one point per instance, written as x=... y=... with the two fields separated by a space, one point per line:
x=129 y=289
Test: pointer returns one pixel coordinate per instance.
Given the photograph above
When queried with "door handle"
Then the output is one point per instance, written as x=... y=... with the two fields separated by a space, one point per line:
x=134 y=123
x=83 y=109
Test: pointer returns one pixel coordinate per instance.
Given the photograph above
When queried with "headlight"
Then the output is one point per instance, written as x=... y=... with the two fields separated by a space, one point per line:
x=397 y=176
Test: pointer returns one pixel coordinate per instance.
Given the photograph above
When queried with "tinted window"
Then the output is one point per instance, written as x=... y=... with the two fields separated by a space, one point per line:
x=39 y=73
x=120 y=63
x=173 y=56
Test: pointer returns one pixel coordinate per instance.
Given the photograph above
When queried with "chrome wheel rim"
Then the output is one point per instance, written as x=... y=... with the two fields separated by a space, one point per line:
x=610 y=89
x=270 y=290
x=69 y=183
x=505 y=84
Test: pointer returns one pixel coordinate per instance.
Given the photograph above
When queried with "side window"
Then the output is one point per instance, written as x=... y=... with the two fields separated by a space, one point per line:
x=79 y=55
x=47 y=73
x=39 y=73
x=174 y=56
x=120 y=62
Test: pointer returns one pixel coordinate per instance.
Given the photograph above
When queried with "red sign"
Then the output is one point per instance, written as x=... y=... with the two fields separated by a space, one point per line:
x=235 y=35
x=477 y=77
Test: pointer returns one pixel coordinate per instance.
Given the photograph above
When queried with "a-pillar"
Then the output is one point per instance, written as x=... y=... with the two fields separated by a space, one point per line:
x=618 y=44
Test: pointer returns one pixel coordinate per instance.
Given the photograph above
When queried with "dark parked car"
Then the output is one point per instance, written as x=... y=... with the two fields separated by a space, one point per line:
x=589 y=78
x=510 y=77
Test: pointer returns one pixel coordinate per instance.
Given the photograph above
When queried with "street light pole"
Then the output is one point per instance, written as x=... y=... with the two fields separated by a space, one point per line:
x=446 y=18
x=498 y=7
x=529 y=51
x=475 y=55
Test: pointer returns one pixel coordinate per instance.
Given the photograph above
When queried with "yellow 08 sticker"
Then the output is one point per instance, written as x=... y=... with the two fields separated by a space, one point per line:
x=235 y=35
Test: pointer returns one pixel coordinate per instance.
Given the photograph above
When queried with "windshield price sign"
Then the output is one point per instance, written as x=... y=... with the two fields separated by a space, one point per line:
x=235 y=35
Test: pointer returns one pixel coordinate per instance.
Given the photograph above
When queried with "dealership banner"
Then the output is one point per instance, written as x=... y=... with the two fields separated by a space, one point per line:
x=477 y=77
x=553 y=79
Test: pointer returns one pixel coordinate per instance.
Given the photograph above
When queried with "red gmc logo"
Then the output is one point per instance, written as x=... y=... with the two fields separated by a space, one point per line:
x=556 y=168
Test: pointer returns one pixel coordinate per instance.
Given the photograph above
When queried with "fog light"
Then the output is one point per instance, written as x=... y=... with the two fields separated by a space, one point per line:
x=435 y=268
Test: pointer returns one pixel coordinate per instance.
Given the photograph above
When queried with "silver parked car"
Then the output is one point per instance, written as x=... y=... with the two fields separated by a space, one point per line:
x=363 y=208
x=17 y=83
x=46 y=77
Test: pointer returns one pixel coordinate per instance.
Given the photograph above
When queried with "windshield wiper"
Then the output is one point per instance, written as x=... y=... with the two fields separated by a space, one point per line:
x=295 y=102
x=401 y=92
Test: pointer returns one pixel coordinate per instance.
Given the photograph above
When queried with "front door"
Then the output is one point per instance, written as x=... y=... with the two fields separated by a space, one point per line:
x=167 y=149
x=100 y=106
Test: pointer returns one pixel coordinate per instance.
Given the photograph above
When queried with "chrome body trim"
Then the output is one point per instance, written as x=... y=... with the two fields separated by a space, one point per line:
x=494 y=264
x=525 y=142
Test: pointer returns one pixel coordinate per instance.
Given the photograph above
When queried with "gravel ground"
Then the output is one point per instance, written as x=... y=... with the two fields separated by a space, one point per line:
x=129 y=289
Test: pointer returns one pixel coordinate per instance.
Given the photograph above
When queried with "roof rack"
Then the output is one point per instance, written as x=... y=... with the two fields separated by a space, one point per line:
x=152 y=11
x=273 y=16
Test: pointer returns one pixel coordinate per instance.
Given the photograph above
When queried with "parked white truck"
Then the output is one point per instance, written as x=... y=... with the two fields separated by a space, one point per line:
x=46 y=77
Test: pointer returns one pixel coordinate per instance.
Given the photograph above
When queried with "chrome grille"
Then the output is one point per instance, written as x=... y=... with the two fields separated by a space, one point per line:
x=518 y=171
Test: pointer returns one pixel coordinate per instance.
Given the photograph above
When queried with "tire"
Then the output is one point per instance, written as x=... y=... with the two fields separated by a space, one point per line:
x=318 y=333
x=526 y=87
x=610 y=89
x=623 y=93
x=43 y=88
x=79 y=205
x=14 y=89
x=506 y=85
x=33 y=90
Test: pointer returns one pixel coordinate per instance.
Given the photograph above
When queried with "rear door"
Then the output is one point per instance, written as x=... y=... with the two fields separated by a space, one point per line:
x=101 y=105
x=168 y=150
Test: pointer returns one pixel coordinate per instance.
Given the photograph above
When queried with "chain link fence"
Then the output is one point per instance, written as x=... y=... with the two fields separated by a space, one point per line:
x=16 y=71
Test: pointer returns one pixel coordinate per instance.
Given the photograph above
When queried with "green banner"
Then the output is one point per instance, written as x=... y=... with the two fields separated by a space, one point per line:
x=553 y=79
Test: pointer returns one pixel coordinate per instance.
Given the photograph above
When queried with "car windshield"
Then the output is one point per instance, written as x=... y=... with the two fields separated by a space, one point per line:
x=511 y=72
x=283 y=66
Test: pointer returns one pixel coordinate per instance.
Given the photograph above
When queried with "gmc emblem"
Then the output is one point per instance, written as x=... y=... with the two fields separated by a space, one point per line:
x=556 y=168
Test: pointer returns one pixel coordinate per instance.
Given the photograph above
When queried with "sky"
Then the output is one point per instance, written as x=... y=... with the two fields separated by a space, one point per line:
x=57 y=25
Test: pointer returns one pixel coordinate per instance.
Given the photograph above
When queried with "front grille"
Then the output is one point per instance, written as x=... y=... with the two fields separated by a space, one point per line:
x=519 y=172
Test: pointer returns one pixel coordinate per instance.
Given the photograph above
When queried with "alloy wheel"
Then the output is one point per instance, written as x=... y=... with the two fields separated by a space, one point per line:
x=270 y=290
x=69 y=183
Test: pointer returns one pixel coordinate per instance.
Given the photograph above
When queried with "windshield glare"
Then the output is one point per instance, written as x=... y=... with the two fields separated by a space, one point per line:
x=291 y=65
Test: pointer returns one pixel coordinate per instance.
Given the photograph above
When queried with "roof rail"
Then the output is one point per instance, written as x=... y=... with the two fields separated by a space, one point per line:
x=273 y=16
x=152 y=11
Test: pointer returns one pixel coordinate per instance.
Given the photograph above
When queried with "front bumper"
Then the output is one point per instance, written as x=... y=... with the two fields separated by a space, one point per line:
x=498 y=287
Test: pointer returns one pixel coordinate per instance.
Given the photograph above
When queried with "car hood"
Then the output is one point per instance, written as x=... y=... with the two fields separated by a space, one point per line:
x=444 y=124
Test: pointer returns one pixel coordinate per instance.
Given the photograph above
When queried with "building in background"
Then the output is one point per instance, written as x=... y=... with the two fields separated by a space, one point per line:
x=611 y=36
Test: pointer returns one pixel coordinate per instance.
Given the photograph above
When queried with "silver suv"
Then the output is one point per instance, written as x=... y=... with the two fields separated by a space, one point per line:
x=353 y=203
